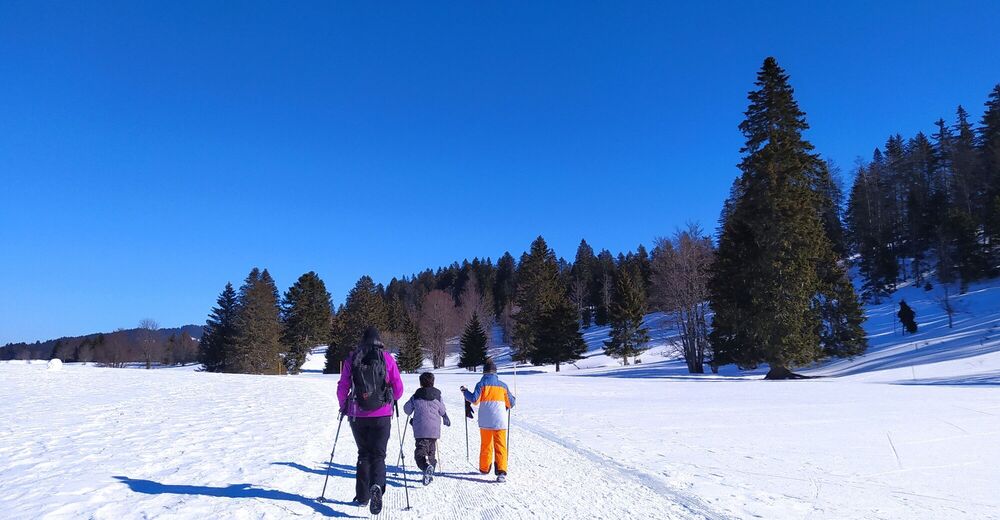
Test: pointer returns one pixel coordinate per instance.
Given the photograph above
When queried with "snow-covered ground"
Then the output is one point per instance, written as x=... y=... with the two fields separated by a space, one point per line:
x=911 y=430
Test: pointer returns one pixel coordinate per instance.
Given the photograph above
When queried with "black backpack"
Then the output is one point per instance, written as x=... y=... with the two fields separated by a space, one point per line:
x=368 y=373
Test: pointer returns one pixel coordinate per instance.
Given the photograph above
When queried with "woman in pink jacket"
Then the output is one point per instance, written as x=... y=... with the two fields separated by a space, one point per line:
x=369 y=385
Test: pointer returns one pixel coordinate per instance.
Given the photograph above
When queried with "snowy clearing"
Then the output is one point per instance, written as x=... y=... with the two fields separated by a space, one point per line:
x=911 y=430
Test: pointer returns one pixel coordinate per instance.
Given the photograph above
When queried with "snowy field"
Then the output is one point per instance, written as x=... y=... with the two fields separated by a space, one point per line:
x=911 y=430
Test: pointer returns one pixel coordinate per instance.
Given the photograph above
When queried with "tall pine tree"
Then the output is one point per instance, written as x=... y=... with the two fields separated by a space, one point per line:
x=220 y=334
x=603 y=286
x=473 y=344
x=258 y=345
x=538 y=290
x=505 y=284
x=307 y=314
x=547 y=325
x=582 y=281
x=365 y=307
x=628 y=337
x=767 y=283
x=989 y=150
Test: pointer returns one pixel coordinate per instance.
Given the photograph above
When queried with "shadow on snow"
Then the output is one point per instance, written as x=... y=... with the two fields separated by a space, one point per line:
x=392 y=473
x=150 y=487
x=987 y=379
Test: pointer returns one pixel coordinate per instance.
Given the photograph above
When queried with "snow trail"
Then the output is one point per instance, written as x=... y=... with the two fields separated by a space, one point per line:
x=109 y=444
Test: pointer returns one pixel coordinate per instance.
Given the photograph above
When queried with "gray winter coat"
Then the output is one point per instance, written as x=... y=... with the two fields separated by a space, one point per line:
x=427 y=409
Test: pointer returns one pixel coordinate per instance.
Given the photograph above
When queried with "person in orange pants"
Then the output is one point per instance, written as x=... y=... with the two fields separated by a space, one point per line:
x=494 y=400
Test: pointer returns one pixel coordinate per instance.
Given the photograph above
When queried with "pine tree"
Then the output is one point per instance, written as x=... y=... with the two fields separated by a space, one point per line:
x=766 y=281
x=538 y=290
x=603 y=286
x=842 y=316
x=258 y=325
x=557 y=335
x=218 y=341
x=967 y=187
x=921 y=212
x=870 y=215
x=582 y=280
x=473 y=344
x=969 y=261
x=411 y=354
x=306 y=314
x=943 y=197
x=365 y=307
x=826 y=184
x=628 y=337
x=504 y=287
x=989 y=153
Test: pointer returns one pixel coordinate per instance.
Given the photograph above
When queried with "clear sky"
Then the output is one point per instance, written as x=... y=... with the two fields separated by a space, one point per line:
x=152 y=151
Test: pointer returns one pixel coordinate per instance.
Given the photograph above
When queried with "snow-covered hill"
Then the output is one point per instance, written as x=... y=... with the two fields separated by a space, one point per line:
x=910 y=430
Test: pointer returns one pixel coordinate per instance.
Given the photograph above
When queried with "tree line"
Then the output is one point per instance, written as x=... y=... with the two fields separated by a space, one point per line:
x=771 y=287
x=146 y=345
x=930 y=204
x=775 y=290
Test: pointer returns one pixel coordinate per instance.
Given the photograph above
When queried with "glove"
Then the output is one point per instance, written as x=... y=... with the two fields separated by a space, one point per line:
x=447 y=421
x=468 y=411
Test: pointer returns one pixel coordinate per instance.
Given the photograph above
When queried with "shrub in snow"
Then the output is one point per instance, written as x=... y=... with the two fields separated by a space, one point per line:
x=54 y=364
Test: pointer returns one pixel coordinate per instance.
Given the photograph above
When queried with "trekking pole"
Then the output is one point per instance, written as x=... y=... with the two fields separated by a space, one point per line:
x=467 y=407
x=402 y=436
x=509 y=409
x=508 y=433
x=437 y=455
x=340 y=421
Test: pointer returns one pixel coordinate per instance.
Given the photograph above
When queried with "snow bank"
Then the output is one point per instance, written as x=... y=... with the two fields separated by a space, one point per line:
x=54 y=364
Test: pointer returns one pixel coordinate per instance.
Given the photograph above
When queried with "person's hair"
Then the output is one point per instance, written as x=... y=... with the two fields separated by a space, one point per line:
x=489 y=366
x=427 y=380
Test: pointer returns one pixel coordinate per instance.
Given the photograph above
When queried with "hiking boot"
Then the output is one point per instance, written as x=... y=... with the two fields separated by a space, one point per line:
x=375 y=505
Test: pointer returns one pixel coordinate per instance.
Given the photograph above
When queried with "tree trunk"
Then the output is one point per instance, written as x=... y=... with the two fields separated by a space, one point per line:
x=779 y=372
x=557 y=366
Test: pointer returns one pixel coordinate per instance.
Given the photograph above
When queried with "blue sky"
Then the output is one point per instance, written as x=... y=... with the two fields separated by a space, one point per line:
x=152 y=151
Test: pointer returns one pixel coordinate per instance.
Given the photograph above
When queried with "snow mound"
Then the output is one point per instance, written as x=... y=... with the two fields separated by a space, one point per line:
x=54 y=364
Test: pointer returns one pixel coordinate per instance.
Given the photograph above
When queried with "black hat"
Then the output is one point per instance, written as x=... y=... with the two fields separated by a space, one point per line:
x=489 y=367
x=427 y=380
x=371 y=337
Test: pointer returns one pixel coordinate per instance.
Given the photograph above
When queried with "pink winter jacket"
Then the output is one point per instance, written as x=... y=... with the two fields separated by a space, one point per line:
x=391 y=377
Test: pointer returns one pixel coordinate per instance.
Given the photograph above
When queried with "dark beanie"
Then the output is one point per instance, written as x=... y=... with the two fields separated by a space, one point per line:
x=427 y=380
x=371 y=337
x=489 y=367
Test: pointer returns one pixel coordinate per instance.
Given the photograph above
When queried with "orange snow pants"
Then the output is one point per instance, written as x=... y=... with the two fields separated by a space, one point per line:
x=493 y=445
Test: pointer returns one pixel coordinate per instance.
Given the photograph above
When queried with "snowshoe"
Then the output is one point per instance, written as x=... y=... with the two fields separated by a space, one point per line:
x=375 y=504
x=428 y=474
x=501 y=478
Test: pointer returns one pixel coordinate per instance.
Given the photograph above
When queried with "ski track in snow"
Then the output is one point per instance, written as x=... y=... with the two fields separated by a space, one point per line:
x=110 y=444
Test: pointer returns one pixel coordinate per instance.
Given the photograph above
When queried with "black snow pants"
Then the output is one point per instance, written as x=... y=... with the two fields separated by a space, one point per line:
x=371 y=434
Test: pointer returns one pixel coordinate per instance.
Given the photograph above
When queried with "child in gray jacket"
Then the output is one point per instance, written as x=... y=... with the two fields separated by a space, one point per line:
x=427 y=409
